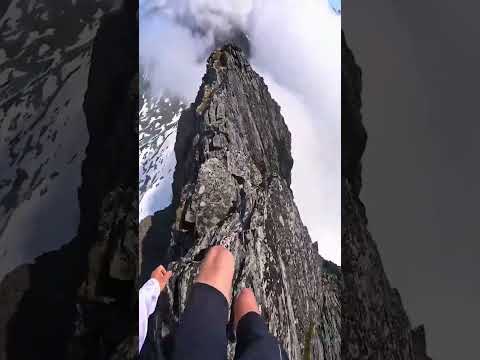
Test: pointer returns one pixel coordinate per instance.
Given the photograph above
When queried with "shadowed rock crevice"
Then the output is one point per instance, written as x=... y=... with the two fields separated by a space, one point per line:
x=232 y=187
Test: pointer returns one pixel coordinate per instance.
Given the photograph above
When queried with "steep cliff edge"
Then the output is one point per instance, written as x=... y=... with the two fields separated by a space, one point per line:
x=232 y=187
x=375 y=324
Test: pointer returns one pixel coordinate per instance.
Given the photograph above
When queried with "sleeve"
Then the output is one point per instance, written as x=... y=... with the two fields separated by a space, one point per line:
x=147 y=301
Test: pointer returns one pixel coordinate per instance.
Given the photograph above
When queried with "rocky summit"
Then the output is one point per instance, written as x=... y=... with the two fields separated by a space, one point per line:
x=232 y=187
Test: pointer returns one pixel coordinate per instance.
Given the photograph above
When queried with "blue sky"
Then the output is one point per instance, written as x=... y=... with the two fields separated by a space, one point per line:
x=336 y=5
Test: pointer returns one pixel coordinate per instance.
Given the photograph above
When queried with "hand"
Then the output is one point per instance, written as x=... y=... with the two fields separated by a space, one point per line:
x=162 y=276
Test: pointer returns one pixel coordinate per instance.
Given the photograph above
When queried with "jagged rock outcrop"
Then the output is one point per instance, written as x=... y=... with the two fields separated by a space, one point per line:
x=232 y=187
x=375 y=324
x=159 y=113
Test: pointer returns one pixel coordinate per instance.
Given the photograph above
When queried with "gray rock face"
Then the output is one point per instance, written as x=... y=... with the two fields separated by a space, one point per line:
x=374 y=323
x=232 y=187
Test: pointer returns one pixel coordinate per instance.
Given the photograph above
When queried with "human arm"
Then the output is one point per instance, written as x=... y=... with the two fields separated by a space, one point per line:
x=147 y=300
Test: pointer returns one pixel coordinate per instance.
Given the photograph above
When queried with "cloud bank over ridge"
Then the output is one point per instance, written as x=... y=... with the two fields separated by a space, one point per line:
x=295 y=46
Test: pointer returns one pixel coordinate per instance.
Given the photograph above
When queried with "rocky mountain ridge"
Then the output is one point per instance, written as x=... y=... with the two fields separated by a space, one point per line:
x=78 y=302
x=158 y=121
x=231 y=187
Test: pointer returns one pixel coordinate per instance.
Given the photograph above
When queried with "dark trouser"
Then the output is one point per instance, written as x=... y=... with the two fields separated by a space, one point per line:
x=202 y=332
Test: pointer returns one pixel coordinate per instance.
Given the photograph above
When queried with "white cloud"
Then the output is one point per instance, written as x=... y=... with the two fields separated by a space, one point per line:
x=316 y=170
x=296 y=48
x=170 y=54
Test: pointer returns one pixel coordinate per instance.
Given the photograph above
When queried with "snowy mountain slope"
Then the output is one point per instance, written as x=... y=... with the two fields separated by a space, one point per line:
x=44 y=63
x=158 y=119
x=73 y=247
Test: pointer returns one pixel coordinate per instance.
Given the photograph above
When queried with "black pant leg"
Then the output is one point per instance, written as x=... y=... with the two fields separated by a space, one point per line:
x=151 y=349
x=254 y=341
x=202 y=333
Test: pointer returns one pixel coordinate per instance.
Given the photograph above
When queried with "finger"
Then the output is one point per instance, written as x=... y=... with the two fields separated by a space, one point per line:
x=168 y=276
x=161 y=269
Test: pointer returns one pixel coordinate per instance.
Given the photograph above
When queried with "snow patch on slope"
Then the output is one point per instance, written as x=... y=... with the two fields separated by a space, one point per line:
x=157 y=134
x=159 y=195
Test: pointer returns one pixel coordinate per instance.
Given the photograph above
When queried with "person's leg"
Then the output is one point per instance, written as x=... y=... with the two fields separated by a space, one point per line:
x=217 y=270
x=202 y=329
x=244 y=303
x=254 y=341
